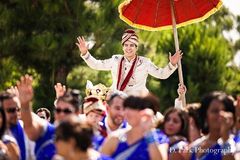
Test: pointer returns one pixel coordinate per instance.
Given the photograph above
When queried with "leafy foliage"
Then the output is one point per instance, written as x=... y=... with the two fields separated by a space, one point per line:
x=38 y=37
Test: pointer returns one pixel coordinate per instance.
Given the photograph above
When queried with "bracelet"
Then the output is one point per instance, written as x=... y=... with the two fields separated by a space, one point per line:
x=151 y=137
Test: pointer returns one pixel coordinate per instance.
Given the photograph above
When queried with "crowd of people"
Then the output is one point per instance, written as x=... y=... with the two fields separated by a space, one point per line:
x=121 y=123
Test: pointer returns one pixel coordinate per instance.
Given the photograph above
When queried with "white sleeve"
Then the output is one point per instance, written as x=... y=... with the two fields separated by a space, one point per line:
x=161 y=73
x=93 y=63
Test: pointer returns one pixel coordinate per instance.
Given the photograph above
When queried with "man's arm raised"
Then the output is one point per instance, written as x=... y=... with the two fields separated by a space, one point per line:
x=33 y=125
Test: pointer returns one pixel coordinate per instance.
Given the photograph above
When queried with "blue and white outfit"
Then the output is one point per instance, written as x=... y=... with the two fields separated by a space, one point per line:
x=215 y=152
x=25 y=145
x=137 y=150
x=45 y=147
x=99 y=138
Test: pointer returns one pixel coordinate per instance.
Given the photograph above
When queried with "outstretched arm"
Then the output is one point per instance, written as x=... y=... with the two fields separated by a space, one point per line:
x=164 y=73
x=90 y=60
x=33 y=125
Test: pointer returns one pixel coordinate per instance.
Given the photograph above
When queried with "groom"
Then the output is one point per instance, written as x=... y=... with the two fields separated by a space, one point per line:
x=129 y=71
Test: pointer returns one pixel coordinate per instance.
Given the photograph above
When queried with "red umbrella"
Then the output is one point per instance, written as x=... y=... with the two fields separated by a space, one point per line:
x=155 y=15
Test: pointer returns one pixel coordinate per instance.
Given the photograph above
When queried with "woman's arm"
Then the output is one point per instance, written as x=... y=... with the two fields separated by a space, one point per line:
x=109 y=146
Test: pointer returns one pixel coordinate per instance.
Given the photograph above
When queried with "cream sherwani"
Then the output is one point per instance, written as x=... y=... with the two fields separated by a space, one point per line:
x=137 y=83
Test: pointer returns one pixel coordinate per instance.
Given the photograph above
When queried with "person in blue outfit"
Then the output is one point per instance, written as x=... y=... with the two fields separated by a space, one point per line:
x=38 y=129
x=142 y=141
x=11 y=107
x=216 y=112
x=175 y=126
x=8 y=145
x=74 y=140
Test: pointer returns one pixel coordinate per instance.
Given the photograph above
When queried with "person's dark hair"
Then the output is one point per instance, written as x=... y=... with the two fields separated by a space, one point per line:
x=80 y=132
x=151 y=101
x=47 y=112
x=205 y=103
x=184 y=121
x=140 y=103
x=3 y=127
x=192 y=110
x=72 y=97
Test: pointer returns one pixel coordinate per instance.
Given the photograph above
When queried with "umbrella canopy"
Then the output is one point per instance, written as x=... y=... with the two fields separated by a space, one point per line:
x=156 y=15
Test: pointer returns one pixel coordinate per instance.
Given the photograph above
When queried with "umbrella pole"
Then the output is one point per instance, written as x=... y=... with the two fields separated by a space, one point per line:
x=175 y=34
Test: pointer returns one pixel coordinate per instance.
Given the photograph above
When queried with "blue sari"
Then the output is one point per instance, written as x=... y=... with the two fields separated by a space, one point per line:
x=45 y=148
x=137 y=150
x=215 y=152
x=18 y=133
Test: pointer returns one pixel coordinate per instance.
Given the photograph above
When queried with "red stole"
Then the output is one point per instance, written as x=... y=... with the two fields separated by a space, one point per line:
x=129 y=75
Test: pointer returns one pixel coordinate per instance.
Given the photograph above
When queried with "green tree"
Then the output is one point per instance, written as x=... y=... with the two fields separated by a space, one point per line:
x=9 y=71
x=41 y=35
